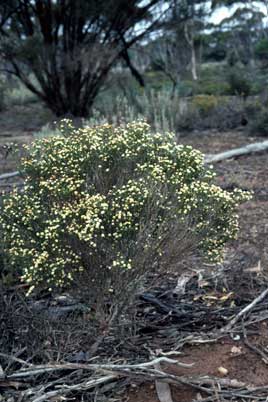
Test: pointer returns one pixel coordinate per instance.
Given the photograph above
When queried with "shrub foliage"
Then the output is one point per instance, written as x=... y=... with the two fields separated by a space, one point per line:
x=259 y=122
x=103 y=206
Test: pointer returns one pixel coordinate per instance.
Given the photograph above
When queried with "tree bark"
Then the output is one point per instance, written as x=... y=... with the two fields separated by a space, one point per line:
x=190 y=40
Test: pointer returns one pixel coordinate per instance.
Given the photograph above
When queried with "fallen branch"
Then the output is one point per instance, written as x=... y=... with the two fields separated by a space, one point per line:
x=244 y=311
x=247 y=149
x=225 y=388
x=9 y=175
x=41 y=369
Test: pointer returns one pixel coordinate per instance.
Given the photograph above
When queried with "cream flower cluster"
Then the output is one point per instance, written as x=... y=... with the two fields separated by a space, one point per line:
x=89 y=192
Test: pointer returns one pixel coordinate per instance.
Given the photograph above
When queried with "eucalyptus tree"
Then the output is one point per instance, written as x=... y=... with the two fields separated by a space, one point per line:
x=70 y=46
x=176 y=50
x=244 y=27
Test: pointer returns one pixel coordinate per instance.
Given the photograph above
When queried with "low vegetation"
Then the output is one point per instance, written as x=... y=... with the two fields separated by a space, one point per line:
x=103 y=207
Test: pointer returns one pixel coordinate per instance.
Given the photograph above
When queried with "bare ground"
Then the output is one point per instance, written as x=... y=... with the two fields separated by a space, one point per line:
x=208 y=359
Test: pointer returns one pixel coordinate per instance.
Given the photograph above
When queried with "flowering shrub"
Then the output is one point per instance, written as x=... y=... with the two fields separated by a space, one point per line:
x=103 y=206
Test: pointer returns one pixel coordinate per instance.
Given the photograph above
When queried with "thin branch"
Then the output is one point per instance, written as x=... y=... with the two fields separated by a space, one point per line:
x=41 y=369
x=5 y=176
x=244 y=311
x=66 y=389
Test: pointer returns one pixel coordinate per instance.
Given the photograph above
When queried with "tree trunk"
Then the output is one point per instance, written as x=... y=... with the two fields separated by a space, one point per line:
x=189 y=36
x=193 y=63
x=74 y=93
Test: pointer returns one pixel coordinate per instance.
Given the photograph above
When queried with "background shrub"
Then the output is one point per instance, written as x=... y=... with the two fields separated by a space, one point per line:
x=205 y=104
x=102 y=207
x=3 y=92
x=204 y=112
x=162 y=109
x=214 y=88
x=261 y=51
x=259 y=122
x=165 y=111
x=239 y=83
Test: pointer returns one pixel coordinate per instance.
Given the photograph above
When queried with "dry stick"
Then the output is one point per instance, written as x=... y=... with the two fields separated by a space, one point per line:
x=236 y=388
x=9 y=175
x=244 y=311
x=200 y=383
x=76 y=387
x=226 y=387
x=15 y=359
x=41 y=388
x=41 y=369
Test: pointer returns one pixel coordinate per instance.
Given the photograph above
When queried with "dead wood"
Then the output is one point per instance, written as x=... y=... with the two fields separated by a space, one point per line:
x=244 y=311
x=245 y=150
x=48 y=368
x=225 y=388
x=67 y=389
x=9 y=175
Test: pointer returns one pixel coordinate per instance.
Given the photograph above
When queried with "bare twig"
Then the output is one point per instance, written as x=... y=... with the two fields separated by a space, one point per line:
x=244 y=311
x=225 y=388
x=66 y=389
x=41 y=369
x=15 y=359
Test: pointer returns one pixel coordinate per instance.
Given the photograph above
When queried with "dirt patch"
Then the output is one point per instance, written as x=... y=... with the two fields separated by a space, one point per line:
x=245 y=366
x=20 y=121
x=213 y=141
x=241 y=364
